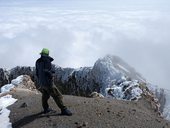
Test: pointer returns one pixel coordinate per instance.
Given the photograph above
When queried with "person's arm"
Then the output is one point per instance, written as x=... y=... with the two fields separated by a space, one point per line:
x=47 y=69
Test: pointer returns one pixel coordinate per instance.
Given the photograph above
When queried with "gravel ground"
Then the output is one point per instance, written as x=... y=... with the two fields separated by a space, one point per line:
x=87 y=113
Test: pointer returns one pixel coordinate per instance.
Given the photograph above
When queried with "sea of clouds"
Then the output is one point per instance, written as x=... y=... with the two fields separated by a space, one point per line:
x=78 y=37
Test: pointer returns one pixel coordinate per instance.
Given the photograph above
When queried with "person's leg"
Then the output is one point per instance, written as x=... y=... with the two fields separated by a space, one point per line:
x=57 y=96
x=45 y=97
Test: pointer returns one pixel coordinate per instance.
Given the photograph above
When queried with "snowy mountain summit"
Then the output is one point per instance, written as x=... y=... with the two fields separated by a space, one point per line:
x=116 y=67
x=112 y=71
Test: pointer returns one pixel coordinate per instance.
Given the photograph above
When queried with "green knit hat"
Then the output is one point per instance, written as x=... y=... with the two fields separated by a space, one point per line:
x=44 y=51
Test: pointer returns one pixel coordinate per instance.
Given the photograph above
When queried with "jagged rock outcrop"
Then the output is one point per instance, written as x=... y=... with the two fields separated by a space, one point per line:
x=105 y=72
x=24 y=82
x=160 y=94
x=17 y=71
x=112 y=70
x=21 y=82
x=7 y=76
x=96 y=95
x=75 y=81
x=4 y=77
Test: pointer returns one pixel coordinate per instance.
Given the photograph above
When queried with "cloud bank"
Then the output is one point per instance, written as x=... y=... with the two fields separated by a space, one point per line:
x=79 y=37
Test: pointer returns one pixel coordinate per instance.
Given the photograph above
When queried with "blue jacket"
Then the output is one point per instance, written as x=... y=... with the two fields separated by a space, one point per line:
x=44 y=71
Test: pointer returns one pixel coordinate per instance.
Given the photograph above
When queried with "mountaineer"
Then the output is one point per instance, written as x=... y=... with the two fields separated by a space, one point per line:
x=45 y=73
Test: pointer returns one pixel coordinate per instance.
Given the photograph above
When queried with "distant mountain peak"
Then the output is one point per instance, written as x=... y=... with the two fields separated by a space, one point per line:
x=116 y=64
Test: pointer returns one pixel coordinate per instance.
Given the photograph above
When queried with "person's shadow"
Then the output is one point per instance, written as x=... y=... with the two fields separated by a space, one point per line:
x=30 y=118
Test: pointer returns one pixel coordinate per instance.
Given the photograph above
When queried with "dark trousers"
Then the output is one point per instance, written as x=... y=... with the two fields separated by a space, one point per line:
x=56 y=95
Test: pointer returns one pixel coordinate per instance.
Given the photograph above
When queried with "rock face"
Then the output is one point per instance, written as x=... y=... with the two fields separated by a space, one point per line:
x=17 y=71
x=163 y=97
x=75 y=81
x=21 y=82
x=160 y=94
x=24 y=82
x=4 y=77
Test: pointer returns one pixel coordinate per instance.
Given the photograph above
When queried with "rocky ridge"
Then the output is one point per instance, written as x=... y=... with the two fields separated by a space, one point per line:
x=109 y=76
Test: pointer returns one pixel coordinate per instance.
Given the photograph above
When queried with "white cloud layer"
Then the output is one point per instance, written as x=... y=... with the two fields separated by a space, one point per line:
x=79 y=37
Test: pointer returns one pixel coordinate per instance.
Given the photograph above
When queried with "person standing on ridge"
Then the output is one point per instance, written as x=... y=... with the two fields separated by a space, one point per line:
x=46 y=85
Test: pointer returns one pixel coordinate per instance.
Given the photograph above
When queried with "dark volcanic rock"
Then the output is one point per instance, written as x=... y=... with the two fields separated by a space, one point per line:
x=4 y=77
x=75 y=81
x=17 y=71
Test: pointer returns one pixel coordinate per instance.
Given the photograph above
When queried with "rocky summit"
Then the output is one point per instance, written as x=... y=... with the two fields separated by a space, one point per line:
x=110 y=77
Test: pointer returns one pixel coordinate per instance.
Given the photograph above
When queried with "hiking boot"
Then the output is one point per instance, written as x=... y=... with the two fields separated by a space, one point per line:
x=47 y=110
x=66 y=112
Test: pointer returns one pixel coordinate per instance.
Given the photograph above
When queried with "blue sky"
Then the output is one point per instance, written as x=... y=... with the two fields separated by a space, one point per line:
x=78 y=33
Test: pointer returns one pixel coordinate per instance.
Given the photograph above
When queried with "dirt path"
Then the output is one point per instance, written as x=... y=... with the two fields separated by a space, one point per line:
x=88 y=113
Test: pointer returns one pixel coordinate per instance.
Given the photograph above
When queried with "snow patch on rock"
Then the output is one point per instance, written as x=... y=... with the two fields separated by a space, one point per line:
x=7 y=88
x=18 y=80
x=127 y=90
x=5 y=101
